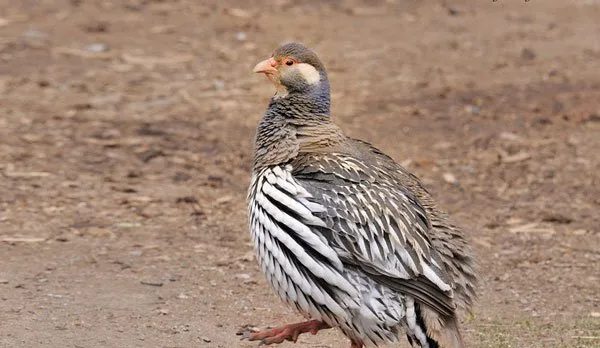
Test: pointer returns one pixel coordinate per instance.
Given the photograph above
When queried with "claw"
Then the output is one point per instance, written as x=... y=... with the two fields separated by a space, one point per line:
x=246 y=332
x=289 y=332
x=245 y=335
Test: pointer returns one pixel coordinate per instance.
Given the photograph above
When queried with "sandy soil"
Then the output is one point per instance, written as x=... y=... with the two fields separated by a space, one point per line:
x=125 y=145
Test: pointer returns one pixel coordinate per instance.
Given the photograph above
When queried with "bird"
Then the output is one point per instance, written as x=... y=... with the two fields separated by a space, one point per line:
x=345 y=235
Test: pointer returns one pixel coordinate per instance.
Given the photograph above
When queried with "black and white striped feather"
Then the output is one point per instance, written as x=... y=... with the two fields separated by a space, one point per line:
x=344 y=243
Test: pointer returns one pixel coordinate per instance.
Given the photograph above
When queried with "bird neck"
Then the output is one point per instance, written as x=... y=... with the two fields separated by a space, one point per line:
x=292 y=125
x=310 y=103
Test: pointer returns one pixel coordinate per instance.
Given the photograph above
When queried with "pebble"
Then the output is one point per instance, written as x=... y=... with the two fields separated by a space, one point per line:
x=219 y=84
x=442 y=145
x=238 y=12
x=510 y=137
x=449 y=178
x=36 y=34
x=181 y=176
x=100 y=232
x=102 y=101
x=3 y=281
x=97 y=47
x=240 y=36
x=127 y=224
x=152 y=283
x=206 y=339
x=528 y=54
x=472 y=109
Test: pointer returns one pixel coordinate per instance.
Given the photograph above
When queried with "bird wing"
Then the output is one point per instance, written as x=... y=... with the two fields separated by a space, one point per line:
x=374 y=224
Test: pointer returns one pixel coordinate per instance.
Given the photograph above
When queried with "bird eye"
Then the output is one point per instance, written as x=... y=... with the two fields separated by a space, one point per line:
x=289 y=62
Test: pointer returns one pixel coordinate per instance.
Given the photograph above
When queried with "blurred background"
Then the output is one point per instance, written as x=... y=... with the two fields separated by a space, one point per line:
x=125 y=150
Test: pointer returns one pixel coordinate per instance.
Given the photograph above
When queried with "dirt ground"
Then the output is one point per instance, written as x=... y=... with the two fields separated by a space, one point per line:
x=125 y=146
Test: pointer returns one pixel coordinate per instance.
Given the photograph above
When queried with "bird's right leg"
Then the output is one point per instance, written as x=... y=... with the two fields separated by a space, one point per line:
x=288 y=332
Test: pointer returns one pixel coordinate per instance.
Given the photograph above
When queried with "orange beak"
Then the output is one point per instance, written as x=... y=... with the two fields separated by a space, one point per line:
x=267 y=66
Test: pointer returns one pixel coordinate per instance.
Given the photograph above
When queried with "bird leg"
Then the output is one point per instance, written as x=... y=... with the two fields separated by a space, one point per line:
x=288 y=332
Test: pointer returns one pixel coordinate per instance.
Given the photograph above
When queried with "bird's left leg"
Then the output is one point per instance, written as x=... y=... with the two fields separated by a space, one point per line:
x=288 y=332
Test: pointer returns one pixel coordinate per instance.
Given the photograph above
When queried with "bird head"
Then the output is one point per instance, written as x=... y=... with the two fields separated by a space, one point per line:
x=293 y=68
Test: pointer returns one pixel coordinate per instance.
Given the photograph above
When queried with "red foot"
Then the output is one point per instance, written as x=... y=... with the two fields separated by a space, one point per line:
x=288 y=332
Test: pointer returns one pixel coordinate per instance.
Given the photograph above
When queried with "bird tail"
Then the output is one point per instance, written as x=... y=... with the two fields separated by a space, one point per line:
x=434 y=330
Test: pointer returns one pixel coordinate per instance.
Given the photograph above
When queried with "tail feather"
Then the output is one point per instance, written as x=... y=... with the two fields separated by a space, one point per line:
x=429 y=329
x=444 y=331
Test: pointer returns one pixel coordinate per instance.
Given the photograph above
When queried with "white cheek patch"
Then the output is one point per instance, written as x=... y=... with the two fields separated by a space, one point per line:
x=310 y=74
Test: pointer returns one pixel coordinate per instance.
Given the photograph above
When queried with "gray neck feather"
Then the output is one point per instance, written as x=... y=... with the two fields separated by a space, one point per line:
x=307 y=102
x=276 y=140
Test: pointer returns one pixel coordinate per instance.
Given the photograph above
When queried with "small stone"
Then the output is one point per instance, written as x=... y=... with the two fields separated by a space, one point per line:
x=595 y=314
x=449 y=178
x=442 y=145
x=181 y=176
x=35 y=34
x=452 y=11
x=127 y=224
x=240 y=36
x=3 y=281
x=224 y=199
x=100 y=232
x=162 y=29
x=243 y=276
x=472 y=109
x=518 y=157
x=557 y=218
x=97 y=47
x=182 y=296
x=510 y=137
x=528 y=54
x=514 y=221
x=206 y=339
x=219 y=85
x=187 y=199
x=134 y=174
x=96 y=27
x=238 y=12
x=593 y=118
